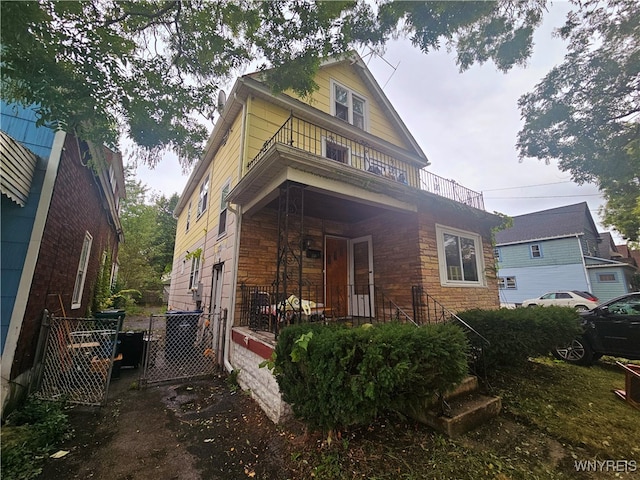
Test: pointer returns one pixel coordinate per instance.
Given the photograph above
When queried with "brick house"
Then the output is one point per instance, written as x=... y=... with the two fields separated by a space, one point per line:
x=60 y=231
x=321 y=208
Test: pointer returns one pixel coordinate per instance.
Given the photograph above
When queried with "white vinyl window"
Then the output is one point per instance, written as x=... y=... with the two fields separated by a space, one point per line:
x=81 y=275
x=349 y=106
x=507 y=283
x=222 y=220
x=536 y=251
x=188 y=217
x=459 y=257
x=203 y=196
x=194 y=276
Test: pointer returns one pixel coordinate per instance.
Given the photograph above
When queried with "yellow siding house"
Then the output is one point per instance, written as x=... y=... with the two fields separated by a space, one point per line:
x=321 y=209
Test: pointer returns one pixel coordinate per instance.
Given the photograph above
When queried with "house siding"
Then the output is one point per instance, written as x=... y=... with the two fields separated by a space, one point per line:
x=60 y=248
x=535 y=281
x=562 y=251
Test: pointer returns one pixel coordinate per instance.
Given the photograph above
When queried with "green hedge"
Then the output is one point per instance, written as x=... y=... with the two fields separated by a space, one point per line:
x=518 y=334
x=336 y=376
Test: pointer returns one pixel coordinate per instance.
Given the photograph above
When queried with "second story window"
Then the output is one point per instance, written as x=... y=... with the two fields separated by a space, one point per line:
x=349 y=106
x=222 y=221
x=188 y=217
x=536 y=252
x=204 y=194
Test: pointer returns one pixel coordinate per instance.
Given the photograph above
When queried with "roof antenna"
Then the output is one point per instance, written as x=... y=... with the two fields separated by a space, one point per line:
x=373 y=53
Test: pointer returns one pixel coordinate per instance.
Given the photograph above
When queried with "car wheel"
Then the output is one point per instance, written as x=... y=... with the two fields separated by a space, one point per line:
x=581 y=308
x=532 y=305
x=577 y=351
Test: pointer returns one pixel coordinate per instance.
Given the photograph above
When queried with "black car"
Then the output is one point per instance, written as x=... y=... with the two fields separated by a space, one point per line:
x=612 y=328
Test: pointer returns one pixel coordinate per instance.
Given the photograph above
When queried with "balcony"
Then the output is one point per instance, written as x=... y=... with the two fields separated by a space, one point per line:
x=318 y=141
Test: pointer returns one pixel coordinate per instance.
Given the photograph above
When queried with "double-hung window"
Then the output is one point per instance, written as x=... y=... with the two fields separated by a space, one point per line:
x=81 y=274
x=459 y=257
x=349 y=106
x=222 y=220
x=204 y=195
x=188 y=217
x=194 y=276
x=536 y=251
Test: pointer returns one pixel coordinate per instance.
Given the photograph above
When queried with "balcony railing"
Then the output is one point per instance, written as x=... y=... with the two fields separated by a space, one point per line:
x=358 y=154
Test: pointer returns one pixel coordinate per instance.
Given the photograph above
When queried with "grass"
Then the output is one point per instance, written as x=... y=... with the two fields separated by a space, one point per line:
x=554 y=414
x=30 y=433
x=575 y=404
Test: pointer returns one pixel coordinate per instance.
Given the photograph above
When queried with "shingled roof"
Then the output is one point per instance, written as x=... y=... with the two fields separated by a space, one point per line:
x=567 y=221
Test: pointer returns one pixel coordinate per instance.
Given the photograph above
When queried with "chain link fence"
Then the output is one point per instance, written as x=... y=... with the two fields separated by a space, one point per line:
x=75 y=359
x=182 y=344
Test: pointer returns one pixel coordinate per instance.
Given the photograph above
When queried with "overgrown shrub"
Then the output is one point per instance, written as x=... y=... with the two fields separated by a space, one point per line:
x=518 y=334
x=336 y=376
x=28 y=434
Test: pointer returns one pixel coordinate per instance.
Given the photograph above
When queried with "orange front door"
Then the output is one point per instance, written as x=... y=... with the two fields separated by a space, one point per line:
x=337 y=275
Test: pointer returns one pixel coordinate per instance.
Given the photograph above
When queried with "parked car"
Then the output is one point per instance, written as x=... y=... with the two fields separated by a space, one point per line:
x=566 y=298
x=612 y=328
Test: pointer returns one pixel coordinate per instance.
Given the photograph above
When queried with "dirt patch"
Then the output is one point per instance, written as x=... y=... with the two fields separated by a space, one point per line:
x=192 y=430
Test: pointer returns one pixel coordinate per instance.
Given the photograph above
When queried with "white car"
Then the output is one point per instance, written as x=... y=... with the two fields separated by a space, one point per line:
x=566 y=298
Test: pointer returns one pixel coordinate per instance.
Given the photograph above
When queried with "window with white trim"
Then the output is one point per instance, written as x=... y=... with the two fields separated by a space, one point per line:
x=607 y=278
x=335 y=151
x=203 y=196
x=188 y=217
x=194 y=276
x=496 y=254
x=222 y=220
x=460 y=257
x=81 y=274
x=349 y=106
x=507 y=283
x=536 y=251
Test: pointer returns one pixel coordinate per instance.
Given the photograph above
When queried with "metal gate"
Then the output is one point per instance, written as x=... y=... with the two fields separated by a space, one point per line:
x=182 y=345
x=75 y=359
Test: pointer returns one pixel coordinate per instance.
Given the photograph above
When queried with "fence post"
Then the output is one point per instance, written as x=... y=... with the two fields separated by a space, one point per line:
x=43 y=341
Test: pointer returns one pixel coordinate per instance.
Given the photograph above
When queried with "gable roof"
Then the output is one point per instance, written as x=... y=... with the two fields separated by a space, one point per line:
x=567 y=221
x=252 y=84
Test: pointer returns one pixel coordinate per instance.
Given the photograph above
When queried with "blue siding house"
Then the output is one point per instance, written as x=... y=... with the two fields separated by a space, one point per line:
x=59 y=226
x=558 y=249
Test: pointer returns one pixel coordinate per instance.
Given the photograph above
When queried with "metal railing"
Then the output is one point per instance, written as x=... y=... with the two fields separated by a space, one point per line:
x=263 y=309
x=358 y=154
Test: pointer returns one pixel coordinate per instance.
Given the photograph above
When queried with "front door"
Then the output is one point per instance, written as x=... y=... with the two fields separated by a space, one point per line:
x=337 y=276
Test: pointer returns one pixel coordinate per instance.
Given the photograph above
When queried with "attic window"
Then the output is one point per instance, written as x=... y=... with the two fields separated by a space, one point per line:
x=349 y=106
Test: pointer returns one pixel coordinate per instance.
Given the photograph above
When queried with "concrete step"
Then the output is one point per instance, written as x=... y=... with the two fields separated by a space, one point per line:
x=466 y=409
x=466 y=413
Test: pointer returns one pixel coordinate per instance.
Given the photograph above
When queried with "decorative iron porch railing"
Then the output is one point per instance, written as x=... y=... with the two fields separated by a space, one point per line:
x=359 y=154
x=263 y=309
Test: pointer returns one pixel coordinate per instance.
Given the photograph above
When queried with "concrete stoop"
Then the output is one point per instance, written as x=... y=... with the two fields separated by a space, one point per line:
x=467 y=410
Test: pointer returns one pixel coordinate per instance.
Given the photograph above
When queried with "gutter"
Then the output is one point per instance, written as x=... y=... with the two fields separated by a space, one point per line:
x=238 y=216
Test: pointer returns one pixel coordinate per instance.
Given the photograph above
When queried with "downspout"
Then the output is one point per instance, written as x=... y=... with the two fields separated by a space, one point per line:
x=238 y=214
x=584 y=265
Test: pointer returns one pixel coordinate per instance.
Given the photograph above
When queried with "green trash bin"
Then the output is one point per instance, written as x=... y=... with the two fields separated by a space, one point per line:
x=113 y=315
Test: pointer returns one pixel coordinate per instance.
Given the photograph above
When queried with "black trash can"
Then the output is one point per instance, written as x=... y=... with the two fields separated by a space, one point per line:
x=131 y=346
x=112 y=314
x=181 y=331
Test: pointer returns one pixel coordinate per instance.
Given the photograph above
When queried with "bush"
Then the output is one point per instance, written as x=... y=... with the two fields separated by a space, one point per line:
x=29 y=433
x=518 y=334
x=336 y=376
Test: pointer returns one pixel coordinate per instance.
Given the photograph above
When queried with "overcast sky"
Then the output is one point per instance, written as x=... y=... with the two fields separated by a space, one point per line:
x=466 y=123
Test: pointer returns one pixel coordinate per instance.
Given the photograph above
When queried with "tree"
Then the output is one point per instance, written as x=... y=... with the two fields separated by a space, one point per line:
x=586 y=111
x=149 y=232
x=150 y=69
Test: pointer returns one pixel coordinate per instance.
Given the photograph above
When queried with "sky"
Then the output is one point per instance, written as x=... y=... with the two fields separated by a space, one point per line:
x=466 y=124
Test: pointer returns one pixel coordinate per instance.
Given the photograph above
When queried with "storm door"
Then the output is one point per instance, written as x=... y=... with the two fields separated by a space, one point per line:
x=361 y=277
